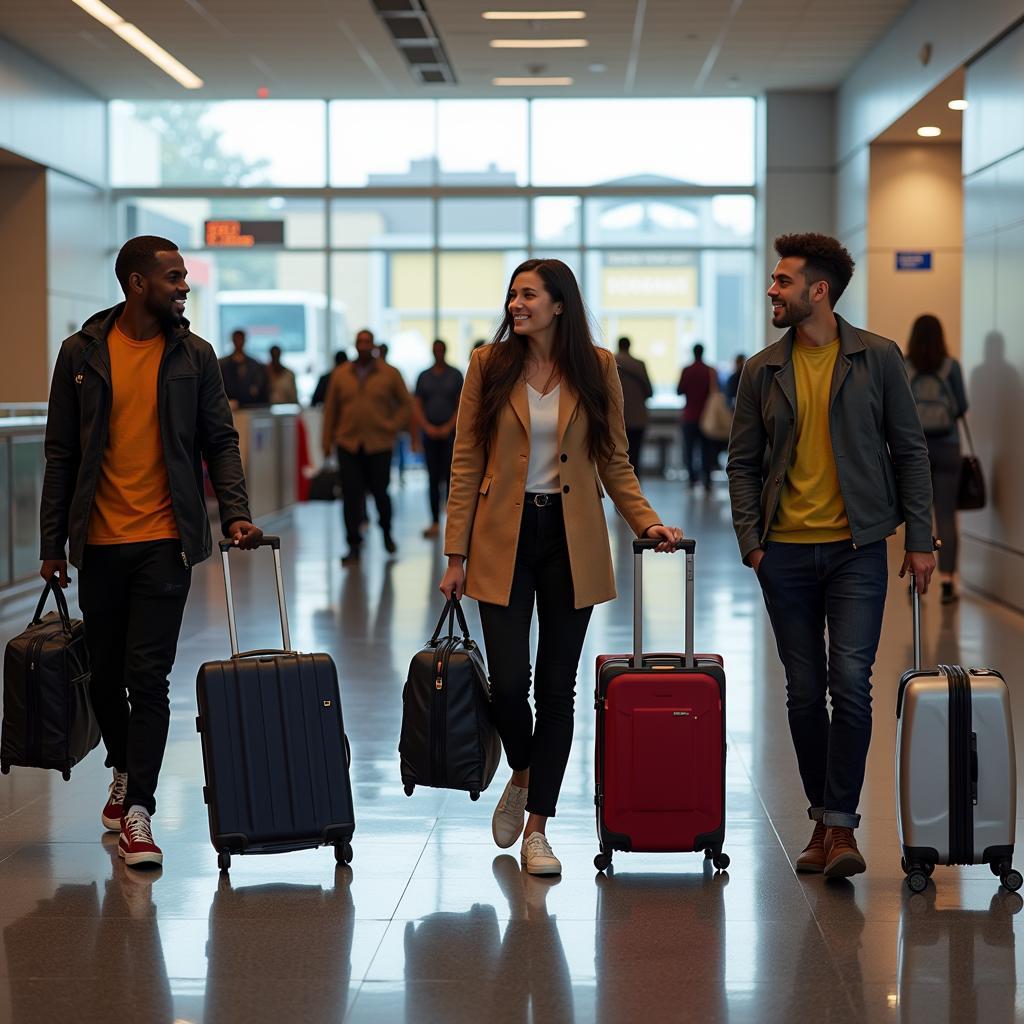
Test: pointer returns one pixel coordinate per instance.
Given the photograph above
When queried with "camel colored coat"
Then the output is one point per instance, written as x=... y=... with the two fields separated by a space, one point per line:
x=485 y=502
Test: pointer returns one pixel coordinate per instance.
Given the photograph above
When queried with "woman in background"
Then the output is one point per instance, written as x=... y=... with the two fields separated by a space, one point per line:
x=938 y=385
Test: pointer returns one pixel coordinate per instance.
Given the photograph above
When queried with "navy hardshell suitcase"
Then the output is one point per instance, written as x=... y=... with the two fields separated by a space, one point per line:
x=274 y=747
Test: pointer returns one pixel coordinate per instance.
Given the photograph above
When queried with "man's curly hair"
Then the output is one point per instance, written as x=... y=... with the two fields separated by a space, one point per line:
x=825 y=259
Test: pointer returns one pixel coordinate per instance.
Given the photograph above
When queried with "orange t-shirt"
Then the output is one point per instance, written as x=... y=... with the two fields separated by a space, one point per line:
x=133 y=497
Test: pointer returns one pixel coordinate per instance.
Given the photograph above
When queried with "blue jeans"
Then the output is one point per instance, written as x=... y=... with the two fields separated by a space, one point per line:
x=805 y=587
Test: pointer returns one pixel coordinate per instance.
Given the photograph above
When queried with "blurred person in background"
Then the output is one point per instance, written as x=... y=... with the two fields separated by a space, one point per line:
x=436 y=402
x=320 y=394
x=636 y=390
x=732 y=385
x=937 y=382
x=695 y=386
x=281 y=380
x=367 y=405
x=245 y=378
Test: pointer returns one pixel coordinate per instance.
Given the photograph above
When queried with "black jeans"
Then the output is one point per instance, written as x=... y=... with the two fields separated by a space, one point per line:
x=945 y=459
x=698 y=454
x=438 y=456
x=362 y=472
x=542 y=574
x=806 y=587
x=635 y=441
x=133 y=598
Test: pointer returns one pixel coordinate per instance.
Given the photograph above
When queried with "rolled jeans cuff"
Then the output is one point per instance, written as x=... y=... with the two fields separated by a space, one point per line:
x=839 y=819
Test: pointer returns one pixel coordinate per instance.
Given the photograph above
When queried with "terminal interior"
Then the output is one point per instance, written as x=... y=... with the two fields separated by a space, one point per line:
x=329 y=167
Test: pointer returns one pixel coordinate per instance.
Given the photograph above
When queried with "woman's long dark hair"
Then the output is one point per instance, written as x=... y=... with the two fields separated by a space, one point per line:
x=926 y=349
x=574 y=355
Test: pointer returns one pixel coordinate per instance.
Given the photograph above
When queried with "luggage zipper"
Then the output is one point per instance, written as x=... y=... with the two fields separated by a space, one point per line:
x=35 y=739
x=439 y=774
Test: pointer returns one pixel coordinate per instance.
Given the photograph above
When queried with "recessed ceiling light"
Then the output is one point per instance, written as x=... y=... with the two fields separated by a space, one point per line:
x=138 y=39
x=929 y=132
x=539 y=44
x=958 y=104
x=565 y=80
x=598 y=69
x=534 y=15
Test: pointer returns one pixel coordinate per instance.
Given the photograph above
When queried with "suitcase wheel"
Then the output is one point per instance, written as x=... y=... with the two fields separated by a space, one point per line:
x=408 y=789
x=66 y=775
x=343 y=853
x=720 y=860
x=917 y=881
x=603 y=861
x=1010 y=877
x=223 y=860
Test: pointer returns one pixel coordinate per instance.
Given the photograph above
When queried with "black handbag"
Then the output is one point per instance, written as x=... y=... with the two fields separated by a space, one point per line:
x=971 y=491
x=325 y=484
x=448 y=740
x=48 y=718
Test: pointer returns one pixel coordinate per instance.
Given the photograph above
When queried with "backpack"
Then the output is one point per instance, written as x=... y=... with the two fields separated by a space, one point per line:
x=935 y=404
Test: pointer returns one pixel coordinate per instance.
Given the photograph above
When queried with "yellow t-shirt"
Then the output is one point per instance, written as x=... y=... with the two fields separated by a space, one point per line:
x=133 y=497
x=811 y=509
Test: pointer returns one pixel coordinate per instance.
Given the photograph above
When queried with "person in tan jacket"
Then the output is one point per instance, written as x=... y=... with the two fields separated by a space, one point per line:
x=539 y=438
x=367 y=405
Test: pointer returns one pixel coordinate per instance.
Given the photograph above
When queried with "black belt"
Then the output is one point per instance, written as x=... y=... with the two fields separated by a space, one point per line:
x=539 y=500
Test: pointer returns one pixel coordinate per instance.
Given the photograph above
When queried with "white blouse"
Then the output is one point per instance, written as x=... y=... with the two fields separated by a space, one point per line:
x=542 y=475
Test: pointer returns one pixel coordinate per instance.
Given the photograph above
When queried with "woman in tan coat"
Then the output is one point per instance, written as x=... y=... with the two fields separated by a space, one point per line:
x=540 y=438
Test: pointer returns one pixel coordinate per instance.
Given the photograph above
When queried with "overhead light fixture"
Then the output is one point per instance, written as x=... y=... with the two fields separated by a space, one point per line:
x=958 y=104
x=138 y=39
x=534 y=15
x=565 y=80
x=539 y=44
x=929 y=132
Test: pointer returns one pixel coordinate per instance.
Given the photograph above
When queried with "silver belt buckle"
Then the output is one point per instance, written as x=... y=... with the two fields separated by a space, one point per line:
x=542 y=500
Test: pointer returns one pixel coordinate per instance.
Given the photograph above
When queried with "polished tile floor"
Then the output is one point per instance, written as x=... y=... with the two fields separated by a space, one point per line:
x=432 y=922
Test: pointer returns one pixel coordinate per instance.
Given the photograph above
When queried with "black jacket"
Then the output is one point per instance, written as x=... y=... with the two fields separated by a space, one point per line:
x=877 y=441
x=195 y=423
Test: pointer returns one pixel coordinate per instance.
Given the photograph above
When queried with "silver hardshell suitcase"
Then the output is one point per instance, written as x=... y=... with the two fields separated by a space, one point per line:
x=956 y=769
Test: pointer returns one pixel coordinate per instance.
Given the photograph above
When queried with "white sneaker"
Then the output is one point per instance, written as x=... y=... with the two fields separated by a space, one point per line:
x=509 y=816
x=537 y=857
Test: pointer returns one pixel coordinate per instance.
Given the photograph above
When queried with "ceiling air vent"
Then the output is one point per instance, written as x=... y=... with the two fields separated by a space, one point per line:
x=417 y=39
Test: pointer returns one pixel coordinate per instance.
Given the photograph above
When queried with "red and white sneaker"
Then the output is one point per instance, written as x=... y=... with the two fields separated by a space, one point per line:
x=136 y=844
x=113 y=812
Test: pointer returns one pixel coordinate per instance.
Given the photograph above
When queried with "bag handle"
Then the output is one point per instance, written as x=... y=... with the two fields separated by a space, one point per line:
x=967 y=432
x=52 y=586
x=452 y=608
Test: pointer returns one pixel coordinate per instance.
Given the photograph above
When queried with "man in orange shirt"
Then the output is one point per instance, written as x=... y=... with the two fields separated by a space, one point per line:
x=136 y=402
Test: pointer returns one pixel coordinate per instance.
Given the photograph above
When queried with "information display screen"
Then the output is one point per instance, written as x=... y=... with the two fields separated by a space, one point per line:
x=243 y=234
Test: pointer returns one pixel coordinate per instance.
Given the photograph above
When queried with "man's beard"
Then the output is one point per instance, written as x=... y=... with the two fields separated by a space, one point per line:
x=167 y=316
x=795 y=313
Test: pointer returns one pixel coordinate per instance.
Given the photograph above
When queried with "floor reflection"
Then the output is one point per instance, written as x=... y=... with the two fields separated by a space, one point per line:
x=957 y=964
x=652 y=931
x=280 y=951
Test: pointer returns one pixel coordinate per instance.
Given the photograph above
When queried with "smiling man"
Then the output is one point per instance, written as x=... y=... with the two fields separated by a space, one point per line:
x=136 y=399
x=826 y=459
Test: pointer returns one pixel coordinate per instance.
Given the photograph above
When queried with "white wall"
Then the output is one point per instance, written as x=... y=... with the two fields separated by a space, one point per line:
x=915 y=203
x=50 y=119
x=797 y=191
x=993 y=314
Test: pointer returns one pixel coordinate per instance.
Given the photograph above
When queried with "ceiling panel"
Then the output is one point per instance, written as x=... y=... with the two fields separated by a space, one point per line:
x=340 y=48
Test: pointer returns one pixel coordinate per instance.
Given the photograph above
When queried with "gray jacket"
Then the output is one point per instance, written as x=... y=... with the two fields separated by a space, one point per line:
x=879 y=446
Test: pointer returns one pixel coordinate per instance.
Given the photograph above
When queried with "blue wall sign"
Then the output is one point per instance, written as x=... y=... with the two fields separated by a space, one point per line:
x=913 y=261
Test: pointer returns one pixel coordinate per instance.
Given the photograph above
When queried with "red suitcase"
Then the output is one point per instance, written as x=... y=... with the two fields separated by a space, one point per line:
x=660 y=766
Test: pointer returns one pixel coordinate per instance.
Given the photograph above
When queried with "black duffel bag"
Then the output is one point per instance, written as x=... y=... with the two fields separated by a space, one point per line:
x=48 y=719
x=448 y=740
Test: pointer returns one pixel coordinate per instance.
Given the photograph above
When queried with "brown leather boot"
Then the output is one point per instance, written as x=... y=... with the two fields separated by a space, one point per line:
x=812 y=859
x=842 y=858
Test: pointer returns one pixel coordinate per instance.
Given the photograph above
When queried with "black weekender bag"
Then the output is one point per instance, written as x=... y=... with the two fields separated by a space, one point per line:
x=48 y=719
x=448 y=740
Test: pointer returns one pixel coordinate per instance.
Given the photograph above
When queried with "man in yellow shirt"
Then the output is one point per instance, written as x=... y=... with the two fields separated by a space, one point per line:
x=829 y=411
x=136 y=403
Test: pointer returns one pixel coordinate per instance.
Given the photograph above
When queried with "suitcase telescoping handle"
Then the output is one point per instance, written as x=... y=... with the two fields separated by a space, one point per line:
x=687 y=545
x=268 y=541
